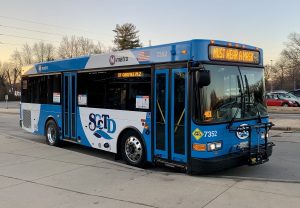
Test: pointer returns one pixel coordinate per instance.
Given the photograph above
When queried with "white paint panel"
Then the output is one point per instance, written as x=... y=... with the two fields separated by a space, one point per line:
x=121 y=58
x=122 y=119
x=35 y=115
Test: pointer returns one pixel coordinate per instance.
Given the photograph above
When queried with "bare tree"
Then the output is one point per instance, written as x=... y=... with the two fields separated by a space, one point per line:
x=50 y=52
x=86 y=46
x=3 y=83
x=268 y=76
x=292 y=55
x=280 y=69
x=43 y=52
x=27 y=54
x=99 y=48
x=68 y=47
x=14 y=69
x=39 y=51
x=77 y=46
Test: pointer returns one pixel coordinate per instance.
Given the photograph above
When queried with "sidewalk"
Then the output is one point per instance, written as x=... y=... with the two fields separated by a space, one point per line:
x=286 y=124
x=10 y=110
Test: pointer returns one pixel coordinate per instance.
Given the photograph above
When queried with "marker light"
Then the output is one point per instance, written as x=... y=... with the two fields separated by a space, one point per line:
x=199 y=147
x=184 y=52
x=214 y=146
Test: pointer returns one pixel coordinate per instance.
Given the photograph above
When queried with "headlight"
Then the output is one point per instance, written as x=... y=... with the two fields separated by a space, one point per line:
x=291 y=102
x=214 y=146
x=263 y=135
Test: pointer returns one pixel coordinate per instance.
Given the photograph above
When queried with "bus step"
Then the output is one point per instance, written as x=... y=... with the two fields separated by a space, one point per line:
x=170 y=164
x=70 y=140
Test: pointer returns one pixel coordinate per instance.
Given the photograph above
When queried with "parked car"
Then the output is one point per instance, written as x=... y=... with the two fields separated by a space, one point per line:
x=279 y=91
x=274 y=100
x=295 y=92
x=288 y=96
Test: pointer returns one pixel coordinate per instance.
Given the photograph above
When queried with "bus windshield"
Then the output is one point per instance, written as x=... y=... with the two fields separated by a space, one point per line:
x=234 y=93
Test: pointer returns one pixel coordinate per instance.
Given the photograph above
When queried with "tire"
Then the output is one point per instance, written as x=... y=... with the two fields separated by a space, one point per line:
x=133 y=149
x=52 y=134
x=285 y=105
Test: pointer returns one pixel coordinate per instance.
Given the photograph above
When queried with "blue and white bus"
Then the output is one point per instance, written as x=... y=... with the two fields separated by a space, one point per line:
x=197 y=105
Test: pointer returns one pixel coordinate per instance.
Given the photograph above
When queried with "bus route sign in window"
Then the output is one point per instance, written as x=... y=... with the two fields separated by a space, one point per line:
x=220 y=53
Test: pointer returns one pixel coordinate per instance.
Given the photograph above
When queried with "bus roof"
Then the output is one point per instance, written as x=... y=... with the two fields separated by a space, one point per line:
x=194 y=50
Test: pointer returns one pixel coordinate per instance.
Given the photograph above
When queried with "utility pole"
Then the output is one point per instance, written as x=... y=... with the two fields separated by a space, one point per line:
x=149 y=42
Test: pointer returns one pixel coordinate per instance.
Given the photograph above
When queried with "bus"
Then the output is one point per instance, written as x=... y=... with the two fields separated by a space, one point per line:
x=197 y=105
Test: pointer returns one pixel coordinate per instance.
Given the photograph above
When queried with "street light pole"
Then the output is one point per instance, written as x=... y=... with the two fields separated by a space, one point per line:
x=271 y=76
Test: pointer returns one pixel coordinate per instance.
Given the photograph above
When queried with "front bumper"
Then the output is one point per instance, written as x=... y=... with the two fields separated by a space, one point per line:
x=254 y=156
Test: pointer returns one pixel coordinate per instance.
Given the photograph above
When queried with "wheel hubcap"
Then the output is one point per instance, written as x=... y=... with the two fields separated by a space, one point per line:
x=51 y=134
x=133 y=149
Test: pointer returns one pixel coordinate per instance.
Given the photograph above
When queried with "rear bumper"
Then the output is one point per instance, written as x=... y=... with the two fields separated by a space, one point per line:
x=209 y=165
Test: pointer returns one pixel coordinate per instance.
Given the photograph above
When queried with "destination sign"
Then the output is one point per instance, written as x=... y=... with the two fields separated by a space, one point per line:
x=130 y=74
x=219 y=53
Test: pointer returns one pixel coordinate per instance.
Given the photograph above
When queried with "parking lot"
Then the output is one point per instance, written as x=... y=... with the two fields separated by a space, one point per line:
x=33 y=174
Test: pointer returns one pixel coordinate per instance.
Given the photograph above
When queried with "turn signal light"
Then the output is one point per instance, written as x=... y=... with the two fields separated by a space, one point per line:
x=199 y=147
x=146 y=126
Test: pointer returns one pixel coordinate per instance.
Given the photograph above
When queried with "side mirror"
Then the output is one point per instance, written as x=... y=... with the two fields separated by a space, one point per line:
x=203 y=78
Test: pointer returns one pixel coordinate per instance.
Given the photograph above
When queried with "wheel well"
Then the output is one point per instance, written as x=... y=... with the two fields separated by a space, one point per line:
x=124 y=131
x=47 y=120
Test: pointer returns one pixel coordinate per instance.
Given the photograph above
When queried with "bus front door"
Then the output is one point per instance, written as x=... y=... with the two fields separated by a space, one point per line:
x=170 y=115
x=69 y=106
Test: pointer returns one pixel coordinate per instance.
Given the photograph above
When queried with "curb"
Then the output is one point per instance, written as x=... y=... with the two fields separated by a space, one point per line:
x=282 y=112
x=283 y=128
x=9 y=112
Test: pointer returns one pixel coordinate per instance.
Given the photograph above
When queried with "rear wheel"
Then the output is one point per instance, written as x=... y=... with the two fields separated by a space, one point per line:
x=52 y=134
x=132 y=149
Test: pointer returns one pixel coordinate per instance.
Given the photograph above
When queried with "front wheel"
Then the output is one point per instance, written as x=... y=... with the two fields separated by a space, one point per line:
x=285 y=105
x=133 y=150
x=52 y=134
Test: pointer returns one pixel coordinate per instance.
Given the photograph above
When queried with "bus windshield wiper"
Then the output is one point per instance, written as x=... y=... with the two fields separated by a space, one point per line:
x=254 y=103
x=242 y=98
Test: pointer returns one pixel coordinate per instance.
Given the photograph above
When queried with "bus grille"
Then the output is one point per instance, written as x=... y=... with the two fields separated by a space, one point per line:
x=27 y=118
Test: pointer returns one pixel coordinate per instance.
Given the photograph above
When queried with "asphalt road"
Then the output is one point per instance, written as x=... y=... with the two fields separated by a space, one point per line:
x=284 y=164
x=33 y=174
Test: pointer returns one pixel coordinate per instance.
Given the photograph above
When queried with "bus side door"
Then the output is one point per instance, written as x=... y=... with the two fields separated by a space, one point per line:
x=69 y=106
x=170 y=114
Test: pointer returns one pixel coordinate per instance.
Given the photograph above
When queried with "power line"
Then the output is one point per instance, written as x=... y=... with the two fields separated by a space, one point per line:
x=2 y=43
x=38 y=31
x=16 y=36
x=50 y=25
x=21 y=28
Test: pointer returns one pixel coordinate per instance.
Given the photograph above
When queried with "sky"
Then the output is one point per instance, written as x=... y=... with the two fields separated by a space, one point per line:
x=261 y=23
